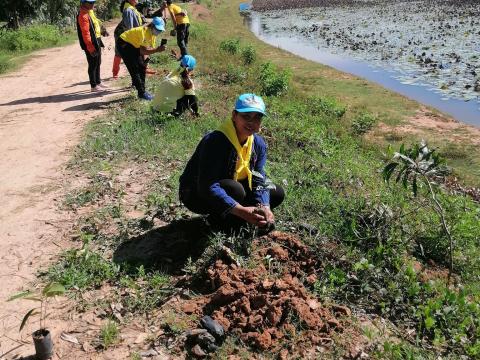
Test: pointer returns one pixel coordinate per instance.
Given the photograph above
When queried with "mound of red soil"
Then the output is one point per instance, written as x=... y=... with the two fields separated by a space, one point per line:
x=269 y=302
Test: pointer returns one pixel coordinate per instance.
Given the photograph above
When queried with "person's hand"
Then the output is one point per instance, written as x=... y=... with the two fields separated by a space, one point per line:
x=161 y=48
x=268 y=214
x=94 y=53
x=249 y=214
x=173 y=32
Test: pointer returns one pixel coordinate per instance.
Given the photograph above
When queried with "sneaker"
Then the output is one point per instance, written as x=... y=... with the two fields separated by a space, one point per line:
x=146 y=96
x=101 y=86
x=96 y=89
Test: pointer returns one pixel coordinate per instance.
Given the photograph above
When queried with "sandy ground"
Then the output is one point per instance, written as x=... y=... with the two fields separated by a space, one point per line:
x=43 y=108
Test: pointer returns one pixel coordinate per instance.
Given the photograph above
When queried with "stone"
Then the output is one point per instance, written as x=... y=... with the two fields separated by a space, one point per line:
x=213 y=327
x=198 y=352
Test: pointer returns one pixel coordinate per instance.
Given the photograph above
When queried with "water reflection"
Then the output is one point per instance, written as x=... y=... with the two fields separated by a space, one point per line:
x=468 y=112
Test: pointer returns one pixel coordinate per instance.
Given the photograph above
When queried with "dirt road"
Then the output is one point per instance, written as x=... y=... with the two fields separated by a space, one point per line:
x=43 y=109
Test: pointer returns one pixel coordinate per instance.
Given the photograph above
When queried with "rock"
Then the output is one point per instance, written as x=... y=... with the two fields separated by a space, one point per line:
x=198 y=352
x=195 y=333
x=206 y=339
x=149 y=353
x=213 y=327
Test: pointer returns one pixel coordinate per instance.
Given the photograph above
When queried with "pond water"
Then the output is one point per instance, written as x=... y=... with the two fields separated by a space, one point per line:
x=415 y=55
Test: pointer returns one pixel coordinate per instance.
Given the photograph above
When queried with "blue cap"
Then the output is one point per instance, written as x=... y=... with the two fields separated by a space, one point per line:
x=158 y=23
x=87 y=1
x=250 y=103
x=188 y=61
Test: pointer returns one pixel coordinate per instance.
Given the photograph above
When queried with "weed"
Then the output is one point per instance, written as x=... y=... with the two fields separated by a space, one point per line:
x=109 y=334
x=231 y=46
x=82 y=269
x=327 y=106
x=234 y=74
x=249 y=55
x=135 y=356
x=363 y=123
x=273 y=82
x=176 y=323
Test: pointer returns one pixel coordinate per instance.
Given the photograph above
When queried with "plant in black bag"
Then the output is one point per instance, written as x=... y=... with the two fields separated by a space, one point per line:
x=41 y=337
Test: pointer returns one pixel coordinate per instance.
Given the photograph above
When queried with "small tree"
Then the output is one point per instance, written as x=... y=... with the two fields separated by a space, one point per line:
x=421 y=164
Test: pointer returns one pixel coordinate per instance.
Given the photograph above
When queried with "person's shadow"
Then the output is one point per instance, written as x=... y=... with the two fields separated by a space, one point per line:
x=167 y=248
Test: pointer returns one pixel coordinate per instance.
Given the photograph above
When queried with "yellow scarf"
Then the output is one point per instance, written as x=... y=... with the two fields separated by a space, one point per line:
x=137 y=13
x=96 y=23
x=244 y=152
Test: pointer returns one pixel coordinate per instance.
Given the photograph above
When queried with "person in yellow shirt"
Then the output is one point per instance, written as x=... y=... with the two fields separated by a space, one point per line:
x=133 y=44
x=181 y=24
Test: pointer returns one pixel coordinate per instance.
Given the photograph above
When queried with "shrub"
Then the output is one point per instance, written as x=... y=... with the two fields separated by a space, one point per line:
x=4 y=63
x=363 y=123
x=327 y=106
x=249 y=55
x=233 y=75
x=30 y=38
x=273 y=82
x=231 y=46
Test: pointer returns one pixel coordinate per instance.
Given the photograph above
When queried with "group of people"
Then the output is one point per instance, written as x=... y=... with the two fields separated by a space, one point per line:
x=225 y=177
x=135 y=40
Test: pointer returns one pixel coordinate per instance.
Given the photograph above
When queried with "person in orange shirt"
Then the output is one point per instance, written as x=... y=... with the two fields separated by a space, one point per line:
x=89 y=35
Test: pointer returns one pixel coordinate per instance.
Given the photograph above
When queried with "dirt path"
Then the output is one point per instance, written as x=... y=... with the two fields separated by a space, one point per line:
x=43 y=109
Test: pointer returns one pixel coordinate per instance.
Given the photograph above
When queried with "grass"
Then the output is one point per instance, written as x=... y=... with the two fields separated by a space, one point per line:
x=332 y=177
x=16 y=45
x=109 y=334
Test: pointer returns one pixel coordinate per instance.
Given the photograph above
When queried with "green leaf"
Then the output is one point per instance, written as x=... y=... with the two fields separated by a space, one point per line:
x=429 y=322
x=20 y=295
x=388 y=171
x=402 y=149
x=26 y=317
x=53 y=289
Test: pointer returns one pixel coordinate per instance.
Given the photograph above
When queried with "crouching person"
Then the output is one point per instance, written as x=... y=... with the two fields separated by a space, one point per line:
x=176 y=93
x=225 y=177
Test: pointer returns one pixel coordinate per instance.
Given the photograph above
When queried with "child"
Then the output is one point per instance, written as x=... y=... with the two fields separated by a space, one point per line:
x=176 y=93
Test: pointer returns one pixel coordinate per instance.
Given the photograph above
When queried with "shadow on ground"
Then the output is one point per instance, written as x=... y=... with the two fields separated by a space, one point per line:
x=78 y=95
x=167 y=248
x=96 y=105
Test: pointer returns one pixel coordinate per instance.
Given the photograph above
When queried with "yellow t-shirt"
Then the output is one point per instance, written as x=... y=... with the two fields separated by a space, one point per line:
x=176 y=10
x=96 y=23
x=140 y=36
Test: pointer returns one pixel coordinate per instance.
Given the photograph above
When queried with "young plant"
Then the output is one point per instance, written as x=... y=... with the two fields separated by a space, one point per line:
x=51 y=290
x=421 y=164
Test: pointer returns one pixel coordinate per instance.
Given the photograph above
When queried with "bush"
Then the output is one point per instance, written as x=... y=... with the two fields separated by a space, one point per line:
x=4 y=63
x=233 y=75
x=327 y=106
x=231 y=46
x=30 y=38
x=249 y=55
x=363 y=123
x=273 y=82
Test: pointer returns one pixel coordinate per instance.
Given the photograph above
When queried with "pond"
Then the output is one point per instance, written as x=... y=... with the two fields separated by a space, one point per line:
x=427 y=51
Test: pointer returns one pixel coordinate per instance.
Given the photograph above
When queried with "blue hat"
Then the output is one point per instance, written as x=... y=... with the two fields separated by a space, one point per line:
x=158 y=23
x=188 y=61
x=87 y=1
x=250 y=103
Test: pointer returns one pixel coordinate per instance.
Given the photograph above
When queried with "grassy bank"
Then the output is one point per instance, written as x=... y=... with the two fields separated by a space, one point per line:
x=380 y=249
x=16 y=45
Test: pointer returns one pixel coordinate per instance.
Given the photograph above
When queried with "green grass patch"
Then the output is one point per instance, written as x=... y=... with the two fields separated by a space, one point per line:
x=16 y=44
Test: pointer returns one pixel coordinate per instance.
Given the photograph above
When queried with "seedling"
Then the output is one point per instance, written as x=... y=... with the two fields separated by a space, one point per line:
x=41 y=337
